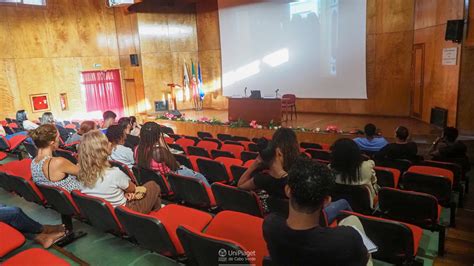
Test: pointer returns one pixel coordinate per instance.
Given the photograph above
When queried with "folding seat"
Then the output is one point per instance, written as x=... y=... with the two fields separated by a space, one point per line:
x=397 y=242
x=166 y=130
x=146 y=175
x=176 y=147
x=228 y=163
x=169 y=140
x=218 y=142
x=18 y=178
x=208 y=145
x=156 y=231
x=124 y=168
x=184 y=143
x=433 y=181
x=61 y=201
x=309 y=145
x=219 y=153
x=183 y=160
x=10 y=239
x=70 y=156
x=319 y=154
x=415 y=208
x=458 y=176
x=13 y=125
x=214 y=171
x=248 y=155
x=198 y=151
x=193 y=159
x=240 y=138
x=12 y=145
x=8 y=120
x=35 y=256
x=401 y=164
x=234 y=149
x=203 y=135
x=243 y=143
x=192 y=191
x=3 y=155
x=387 y=177
x=98 y=212
x=357 y=196
x=236 y=233
x=193 y=138
x=237 y=171
x=224 y=137
x=234 y=199
x=174 y=136
x=248 y=163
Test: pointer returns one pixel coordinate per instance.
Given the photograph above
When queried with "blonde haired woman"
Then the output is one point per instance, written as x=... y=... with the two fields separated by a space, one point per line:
x=110 y=183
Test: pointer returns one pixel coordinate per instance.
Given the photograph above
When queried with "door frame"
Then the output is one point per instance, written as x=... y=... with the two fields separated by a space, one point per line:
x=417 y=46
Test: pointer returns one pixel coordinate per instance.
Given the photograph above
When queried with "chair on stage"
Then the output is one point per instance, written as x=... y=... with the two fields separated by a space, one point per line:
x=288 y=104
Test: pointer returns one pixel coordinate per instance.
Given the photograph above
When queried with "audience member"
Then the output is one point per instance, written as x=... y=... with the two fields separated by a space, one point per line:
x=299 y=240
x=448 y=148
x=131 y=141
x=110 y=183
x=275 y=160
x=153 y=153
x=120 y=153
x=135 y=126
x=401 y=149
x=372 y=142
x=49 y=170
x=109 y=119
x=48 y=118
x=22 y=119
x=85 y=127
x=45 y=235
x=350 y=168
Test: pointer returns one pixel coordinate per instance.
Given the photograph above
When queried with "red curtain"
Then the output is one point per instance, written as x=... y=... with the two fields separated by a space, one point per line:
x=103 y=91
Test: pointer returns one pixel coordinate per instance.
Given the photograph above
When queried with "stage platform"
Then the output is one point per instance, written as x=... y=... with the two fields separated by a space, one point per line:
x=421 y=132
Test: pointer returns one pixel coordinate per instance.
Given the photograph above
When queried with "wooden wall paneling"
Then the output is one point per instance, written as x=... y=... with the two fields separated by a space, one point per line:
x=10 y=97
x=67 y=79
x=207 y=19
x=396 y=15
x=470 y=25
x=157 y=72
x=5 y=42
x=28 y=33
x=425 y=13
x=465 y=121
x=153 y=32
x=182 y=32
x=62 y=28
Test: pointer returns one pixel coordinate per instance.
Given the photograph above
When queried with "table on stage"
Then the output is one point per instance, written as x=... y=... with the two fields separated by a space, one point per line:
x=263 y=110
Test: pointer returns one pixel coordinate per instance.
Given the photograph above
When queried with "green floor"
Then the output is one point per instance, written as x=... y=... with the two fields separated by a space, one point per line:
x=98 y=248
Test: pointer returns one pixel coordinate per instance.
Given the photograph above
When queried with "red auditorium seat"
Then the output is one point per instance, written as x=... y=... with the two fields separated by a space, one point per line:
x=234 y=149
x=234 y=232
x=397 y=242
x=185 y=143
x=203 y=135
x=387 y=177
x=12 y=144
x=248 y=155
x=208 y=145
x=357 y=196
x=18 y=176
x=10 y=239
x=98 y=212
x=228 y=163
x=3 y=155
x=214 y=171
x=319 y=154
x=430 y=170
x=220 y=153
x=192 y=191
x=237 y=171
x=234 y=199
x=150 y=175
x=124 y=168
x=415 y=208
x=157 y=231
x=199 y=151
x=36 y=257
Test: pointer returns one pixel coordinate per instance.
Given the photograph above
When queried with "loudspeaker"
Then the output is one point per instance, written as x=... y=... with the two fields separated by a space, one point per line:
x=134 y=60
x=439 y=117
x=454 y=30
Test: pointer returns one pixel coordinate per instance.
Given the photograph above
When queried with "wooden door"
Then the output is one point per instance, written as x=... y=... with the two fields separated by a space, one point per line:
x=131 y=96
x=418 y=84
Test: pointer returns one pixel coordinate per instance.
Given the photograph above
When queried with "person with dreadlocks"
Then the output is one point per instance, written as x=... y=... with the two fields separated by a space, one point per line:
x=153 y=153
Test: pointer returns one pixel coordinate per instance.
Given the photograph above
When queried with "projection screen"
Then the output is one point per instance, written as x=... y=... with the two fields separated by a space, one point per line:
x=313 y=49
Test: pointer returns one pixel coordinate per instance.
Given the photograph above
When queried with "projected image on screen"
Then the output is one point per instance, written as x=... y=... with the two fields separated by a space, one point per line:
x=314 y=49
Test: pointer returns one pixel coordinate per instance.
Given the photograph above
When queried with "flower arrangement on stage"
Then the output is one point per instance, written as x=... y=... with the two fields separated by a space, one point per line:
x=252 y=124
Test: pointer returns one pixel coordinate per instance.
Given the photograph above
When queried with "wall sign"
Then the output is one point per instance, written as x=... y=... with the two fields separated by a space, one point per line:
x=39 y=102
x=450 y=56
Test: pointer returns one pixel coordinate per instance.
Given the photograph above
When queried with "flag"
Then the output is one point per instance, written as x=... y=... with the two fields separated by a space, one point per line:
x=200 y=88
x=193 y=80
x=186 y=82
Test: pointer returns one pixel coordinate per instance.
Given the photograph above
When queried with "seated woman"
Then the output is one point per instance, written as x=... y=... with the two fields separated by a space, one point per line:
x=153 y=153
x=45 y=235
x=101 y=180
x=120 y=153
x=275 y=161
x=85 y=127
x=350 y=169
x=49 y=170
x=131 y=141
x=135 y=126
x=48 y=118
